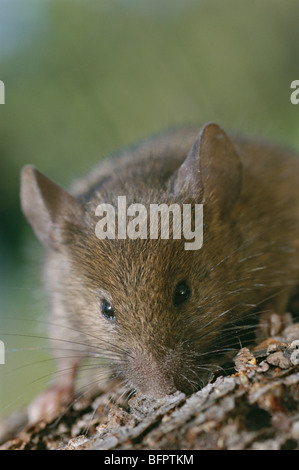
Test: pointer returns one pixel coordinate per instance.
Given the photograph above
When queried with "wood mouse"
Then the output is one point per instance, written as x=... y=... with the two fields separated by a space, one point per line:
x=159 y=315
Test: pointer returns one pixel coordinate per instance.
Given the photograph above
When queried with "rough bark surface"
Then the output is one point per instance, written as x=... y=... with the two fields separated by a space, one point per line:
x=256 y=407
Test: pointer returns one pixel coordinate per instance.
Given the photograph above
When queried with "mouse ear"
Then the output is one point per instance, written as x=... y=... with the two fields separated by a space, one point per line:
x=212 y=170
x=46 y=205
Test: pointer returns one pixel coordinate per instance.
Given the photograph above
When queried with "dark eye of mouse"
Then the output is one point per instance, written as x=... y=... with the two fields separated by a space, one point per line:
x=181 y=293
x=108 y=311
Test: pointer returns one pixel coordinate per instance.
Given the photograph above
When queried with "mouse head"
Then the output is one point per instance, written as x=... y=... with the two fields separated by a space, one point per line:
x=151 y=303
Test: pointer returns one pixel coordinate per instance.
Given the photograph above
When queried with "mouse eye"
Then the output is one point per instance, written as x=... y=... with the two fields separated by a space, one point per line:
x=181 y=293
x=108 y=311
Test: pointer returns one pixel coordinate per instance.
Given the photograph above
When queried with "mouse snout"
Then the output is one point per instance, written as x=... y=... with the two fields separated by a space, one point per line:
x=154 y=375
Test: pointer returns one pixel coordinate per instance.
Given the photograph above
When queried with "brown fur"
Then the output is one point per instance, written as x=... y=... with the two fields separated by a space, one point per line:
x=249 y=260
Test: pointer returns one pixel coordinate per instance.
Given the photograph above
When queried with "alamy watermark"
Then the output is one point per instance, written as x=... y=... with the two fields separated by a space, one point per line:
x=295 y=94
x=133 y=220
x=2 y=352
x=2 y=92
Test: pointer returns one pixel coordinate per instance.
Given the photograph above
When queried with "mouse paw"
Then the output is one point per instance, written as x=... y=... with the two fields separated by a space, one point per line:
x=48 y=405
x=272 y=323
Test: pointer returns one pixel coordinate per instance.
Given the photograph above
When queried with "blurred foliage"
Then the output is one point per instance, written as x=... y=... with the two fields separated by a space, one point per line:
x=103 y=73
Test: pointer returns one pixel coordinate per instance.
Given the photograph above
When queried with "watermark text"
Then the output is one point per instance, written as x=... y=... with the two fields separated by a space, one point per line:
x=295 y=94
x=134 y=222
x=2 y=92
x=2 y=353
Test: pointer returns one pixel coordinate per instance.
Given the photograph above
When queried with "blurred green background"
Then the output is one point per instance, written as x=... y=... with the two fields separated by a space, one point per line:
x=85 y=78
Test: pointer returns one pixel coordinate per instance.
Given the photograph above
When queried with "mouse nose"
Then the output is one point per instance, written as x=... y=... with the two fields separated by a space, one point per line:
x=154 y=376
